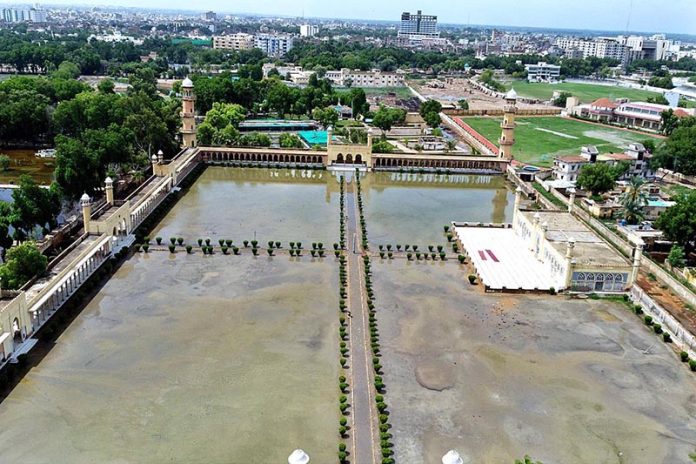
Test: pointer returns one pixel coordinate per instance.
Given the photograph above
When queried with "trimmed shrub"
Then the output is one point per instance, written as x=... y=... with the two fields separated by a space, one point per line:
x=472 y=279
x=667 y=338
x=189 y=249
x=200 y=242
x=278 y=244
x=648 y=320
x=172 y=248
x=684 y=356
x=158 y=240
x=657 y=328
x=180 y=241
x=145 y=247
x=692 y=365
x=172 y=240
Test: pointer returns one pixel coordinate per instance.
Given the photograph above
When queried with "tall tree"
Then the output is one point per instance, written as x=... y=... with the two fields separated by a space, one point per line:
x=633 y=200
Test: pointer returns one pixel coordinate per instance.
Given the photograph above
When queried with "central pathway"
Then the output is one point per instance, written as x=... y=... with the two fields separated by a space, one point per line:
x=365 y=435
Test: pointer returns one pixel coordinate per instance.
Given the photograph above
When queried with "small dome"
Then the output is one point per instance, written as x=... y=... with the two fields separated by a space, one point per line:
x=452 y=457
x=298 y=457
x=187 y=84
x=511 y=95
x=85 y=198
x=154 y=158
x=108 y=181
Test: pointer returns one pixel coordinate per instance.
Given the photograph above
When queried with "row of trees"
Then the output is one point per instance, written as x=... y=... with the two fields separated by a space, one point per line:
x=258 y=95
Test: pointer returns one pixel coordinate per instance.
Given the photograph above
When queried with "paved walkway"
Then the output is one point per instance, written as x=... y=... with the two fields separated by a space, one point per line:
x=365 y=436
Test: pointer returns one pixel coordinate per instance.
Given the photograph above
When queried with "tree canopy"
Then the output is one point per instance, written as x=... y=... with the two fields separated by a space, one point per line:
x=678 y=223
x=23 y=262
x=597 y=178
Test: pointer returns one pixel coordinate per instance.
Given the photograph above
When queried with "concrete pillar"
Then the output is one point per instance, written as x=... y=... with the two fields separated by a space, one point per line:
x=86 y=203
x=571 y=203
x=160 y=157
x=329 y=136
x=569 y=262
x=536 y=231
x=637 y=258
x=518 y=204
x=109 y=187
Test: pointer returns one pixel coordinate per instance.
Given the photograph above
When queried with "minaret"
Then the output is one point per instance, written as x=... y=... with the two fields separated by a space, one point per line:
x=188 y=119
x=507 y=138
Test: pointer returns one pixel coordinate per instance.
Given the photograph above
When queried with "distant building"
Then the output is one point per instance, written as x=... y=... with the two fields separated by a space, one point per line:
x=14 y=15
x=599 y=48
x=418 y=25
x=639 y=115
x=237 y=41
x=419 y=30
x=273 y=45
x=543 y=72
x=343 y=77
x=309 y=30
x=209 y=16
x=655 y=47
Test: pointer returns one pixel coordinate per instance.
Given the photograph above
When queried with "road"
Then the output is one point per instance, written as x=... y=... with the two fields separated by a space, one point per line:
x=365 y=436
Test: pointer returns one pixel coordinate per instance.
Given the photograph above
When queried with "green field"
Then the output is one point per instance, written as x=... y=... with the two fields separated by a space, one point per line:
x=540 y=139
x=586 y=92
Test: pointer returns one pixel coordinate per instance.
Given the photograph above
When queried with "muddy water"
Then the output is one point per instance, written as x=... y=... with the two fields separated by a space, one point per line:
x=280 y=205
x=413 y=208
x=188 y=359
x=24 y=162
x=498 y=377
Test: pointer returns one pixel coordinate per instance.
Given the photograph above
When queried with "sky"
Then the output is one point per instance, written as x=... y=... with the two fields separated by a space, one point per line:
x=669 y=16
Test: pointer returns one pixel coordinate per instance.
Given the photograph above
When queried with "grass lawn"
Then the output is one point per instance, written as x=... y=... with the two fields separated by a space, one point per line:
x=401 y=92
x=540 y=139
x=586 y=92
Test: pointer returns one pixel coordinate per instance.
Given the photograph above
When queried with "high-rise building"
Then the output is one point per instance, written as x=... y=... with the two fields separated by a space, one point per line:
x=309 y=30
x=273 y=45
x=209 y=16
x=418 y=25
x=13 y=15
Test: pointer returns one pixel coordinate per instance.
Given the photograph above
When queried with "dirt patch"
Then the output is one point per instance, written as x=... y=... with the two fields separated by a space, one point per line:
x=435 y=375
x=669 y=301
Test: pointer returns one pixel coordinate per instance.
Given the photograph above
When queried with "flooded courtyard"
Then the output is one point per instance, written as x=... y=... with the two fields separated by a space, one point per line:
x=234 y=359
x=500 y=376
x=410 y=208
x=192 y=358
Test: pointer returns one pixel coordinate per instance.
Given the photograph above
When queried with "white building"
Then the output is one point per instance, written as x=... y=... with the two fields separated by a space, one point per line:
x=543 y=72
x=309 y=30
x=341 y=77
x=239 y=41
x=14 y=15
x=567 y=168
x=274 y=45
x=600 y=48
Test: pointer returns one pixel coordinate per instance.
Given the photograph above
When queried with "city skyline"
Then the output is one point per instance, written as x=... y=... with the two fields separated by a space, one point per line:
x=622 y=15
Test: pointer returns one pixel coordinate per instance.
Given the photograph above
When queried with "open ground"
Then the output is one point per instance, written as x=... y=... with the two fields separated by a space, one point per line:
x=587 y=93
x=497 y=377
x=539 y=139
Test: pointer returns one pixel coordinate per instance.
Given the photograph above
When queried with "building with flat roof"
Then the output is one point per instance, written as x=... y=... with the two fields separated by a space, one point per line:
x=544 y=250
x=543 y=72
x=274 y=45
x=308 y=30
x=239 y=41
x=418 y=25
x=600 y=48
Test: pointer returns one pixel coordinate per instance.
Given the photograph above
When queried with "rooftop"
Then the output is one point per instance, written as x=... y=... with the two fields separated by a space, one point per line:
x=590 y=250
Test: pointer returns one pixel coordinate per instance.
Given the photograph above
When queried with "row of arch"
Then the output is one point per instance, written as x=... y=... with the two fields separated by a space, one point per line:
x=349 y=159
x=430 y=163
x=262 y=157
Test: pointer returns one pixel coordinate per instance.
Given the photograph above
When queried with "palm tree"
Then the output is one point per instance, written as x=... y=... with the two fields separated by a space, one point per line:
x=634 y=199
x=450 y=145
